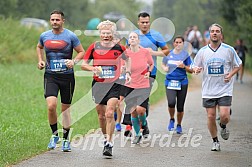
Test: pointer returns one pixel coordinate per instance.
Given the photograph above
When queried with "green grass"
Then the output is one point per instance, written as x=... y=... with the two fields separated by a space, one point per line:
x=24 y=128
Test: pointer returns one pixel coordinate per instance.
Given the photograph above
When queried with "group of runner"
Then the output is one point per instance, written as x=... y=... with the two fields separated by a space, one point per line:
x=137 y=63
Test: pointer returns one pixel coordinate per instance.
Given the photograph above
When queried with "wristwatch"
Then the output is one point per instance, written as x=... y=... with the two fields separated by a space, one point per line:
x=75 y=61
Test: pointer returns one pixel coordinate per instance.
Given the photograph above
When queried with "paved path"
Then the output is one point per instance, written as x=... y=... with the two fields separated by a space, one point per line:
x=192 y=148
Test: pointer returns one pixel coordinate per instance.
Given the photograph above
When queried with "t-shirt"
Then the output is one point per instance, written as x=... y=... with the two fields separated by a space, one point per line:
x=174 y=72
x=58 y=48
x=153 y=40
x=109 y=59
x=140 y=61
x=241 y=51
x=215 y=64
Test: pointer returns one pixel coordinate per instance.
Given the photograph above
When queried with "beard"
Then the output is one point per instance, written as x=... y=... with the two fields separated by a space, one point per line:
x=215 y=40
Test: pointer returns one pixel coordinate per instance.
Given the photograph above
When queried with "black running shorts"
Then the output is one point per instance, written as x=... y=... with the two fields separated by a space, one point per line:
x=65 y=83
x=102 y=92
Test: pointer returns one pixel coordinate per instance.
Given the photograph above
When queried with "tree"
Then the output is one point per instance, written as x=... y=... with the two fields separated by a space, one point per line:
x=238 y=15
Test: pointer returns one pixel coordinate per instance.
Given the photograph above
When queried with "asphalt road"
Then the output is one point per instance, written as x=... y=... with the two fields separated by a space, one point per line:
x=192 y=148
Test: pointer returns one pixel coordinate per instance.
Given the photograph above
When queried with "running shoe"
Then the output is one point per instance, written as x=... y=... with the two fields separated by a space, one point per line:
x=216 y=146
x=171 y=125
x=146 y=130
x=107 y=151
x=66 y=146
x=224 y=133
x=137 y=140
x=127 y=132
x=179 y=129
x=118 y=127
x=53 y=141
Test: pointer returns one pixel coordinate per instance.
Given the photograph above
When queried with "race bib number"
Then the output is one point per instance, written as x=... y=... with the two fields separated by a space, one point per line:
x=107 y=72
x=58 y=65
x=216 y=70
x=174 y=84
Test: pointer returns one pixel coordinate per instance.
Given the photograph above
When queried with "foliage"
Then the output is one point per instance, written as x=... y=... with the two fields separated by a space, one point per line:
x=238 y=14
x=184 y=13
x=17 y=42
x=77 y=12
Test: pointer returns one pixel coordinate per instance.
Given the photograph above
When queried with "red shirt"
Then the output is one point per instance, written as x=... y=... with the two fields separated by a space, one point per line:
x=108 y=58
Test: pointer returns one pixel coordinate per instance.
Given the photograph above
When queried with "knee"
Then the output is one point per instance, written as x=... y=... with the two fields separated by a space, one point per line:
x=180 y=109
x=110 y=112
x=141 y=110
x=171 y=105
x=52 y=107
x=101 y=116
x=211 y=117
x=224 y=118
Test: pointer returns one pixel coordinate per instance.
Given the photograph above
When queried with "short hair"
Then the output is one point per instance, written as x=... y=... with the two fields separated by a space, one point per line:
x=143 y=14
x=58 y=12
x=217 y=25
x=109 y=25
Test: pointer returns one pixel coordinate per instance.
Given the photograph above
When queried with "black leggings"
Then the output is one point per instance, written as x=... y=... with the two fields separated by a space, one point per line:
x=179 y=95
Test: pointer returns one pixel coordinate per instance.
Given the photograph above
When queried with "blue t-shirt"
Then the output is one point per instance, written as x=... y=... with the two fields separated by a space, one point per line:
x=175 y=73
x=153 y=40
x=58 y=47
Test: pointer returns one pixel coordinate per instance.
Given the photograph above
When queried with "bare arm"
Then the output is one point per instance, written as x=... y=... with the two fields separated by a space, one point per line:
x=79 y=49
x=128 y=70
x=80 y=53
x=40 y=54
x=232 y=73
x=163 y=52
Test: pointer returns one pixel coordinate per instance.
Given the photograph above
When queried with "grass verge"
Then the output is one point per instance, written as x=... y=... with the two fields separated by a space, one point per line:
x=24 y=130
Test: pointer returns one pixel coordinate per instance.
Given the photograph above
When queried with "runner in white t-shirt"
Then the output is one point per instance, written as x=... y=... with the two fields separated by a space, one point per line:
x=219 y=63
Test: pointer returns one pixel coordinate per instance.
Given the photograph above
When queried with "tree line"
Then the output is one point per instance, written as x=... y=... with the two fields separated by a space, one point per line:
x=77 y=12
x=234 y=15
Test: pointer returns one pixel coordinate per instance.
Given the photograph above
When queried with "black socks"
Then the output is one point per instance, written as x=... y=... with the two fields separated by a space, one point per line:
x=54 y=128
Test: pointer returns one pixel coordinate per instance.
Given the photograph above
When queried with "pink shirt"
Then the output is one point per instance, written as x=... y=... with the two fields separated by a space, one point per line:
x=140 y=61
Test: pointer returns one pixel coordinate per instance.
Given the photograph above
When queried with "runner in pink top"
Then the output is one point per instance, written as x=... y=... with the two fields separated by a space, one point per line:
x=138 y=90
x=141 y=60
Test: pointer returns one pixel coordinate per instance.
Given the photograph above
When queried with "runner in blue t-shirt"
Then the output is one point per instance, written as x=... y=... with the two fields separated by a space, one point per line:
x=58 y=45
x=176 y=64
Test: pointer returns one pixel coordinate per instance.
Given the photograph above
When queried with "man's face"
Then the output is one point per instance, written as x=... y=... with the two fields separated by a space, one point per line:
x=144 y=24
x=215 y=34
x=56 y=21
x=106 y=35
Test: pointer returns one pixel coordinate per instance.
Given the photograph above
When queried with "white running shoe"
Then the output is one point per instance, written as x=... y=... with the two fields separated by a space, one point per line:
x=216 y=146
